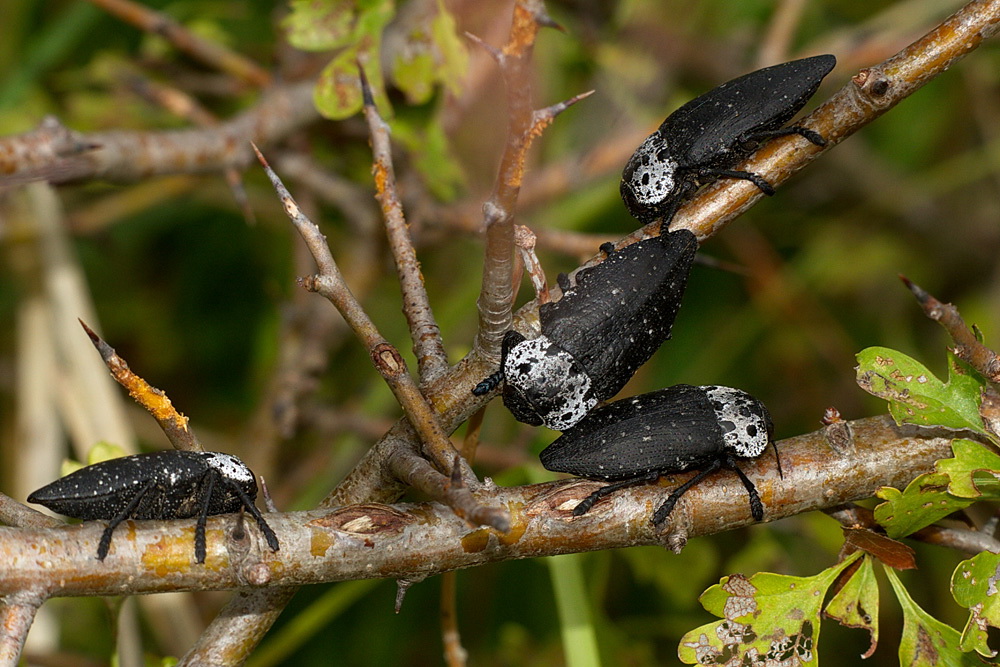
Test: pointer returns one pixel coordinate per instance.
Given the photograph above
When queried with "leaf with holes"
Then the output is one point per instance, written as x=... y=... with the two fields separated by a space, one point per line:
x=976 y=586
x=916 y=396
x=768 y=617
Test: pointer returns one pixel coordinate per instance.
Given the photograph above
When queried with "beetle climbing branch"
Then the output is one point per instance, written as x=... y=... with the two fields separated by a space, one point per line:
x=866 y=97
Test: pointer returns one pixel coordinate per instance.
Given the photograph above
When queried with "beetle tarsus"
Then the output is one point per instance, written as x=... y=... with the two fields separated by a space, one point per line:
x=756 y=506
x=756 y=179
x=664 y=510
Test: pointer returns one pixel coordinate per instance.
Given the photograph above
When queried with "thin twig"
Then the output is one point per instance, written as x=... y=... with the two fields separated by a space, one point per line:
x=387 y=361
x=58 y=154
x=174 y=424
x=212 y=54
x=13 y=513
x=427 y=344
x=455 y=654
x=497 y=294
x=967 y=346
x=184 y=106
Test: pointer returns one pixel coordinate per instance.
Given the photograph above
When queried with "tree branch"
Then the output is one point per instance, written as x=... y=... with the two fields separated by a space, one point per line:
x=58 y=154
x=408 y=541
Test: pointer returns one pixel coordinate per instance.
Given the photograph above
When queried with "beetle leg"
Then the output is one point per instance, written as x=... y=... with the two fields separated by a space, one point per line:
x=811 y=136
x=105 y=543
x=584 y=505
x=756 y=179
x=756 y=506
x=664 y=510
x=272 y=539
x=199 y=530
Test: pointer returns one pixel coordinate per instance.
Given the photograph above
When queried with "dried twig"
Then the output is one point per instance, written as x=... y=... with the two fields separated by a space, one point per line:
x=387 y=360
x=58 y=154
x=13 y=513
x=212 y=54
x=427 y=344
x=174 y=424
x=967 y=346
x=183 y=105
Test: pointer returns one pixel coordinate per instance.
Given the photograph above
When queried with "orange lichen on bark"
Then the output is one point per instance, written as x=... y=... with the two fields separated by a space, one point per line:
x=174 y=424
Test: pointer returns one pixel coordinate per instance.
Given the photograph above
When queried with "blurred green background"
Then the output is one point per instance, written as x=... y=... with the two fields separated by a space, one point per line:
x=196 y=298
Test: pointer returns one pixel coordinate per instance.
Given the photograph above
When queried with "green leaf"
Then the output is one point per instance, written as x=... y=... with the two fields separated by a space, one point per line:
x=338 y=89
x=434 y=53
x=766 y=617
x=856 y=604
x=454 y=56
x=926 y=640
x=916 y=396
x=925 y=500
x=975 y=586
x=320 y=25
x=974 y=472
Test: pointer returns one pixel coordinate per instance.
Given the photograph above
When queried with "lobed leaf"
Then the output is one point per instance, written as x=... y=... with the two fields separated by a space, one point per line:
x=924 y=501
x=916 y=396
x=768 y=617
x=974 y=472
x=975 y=586
x=856 y=604
x=926 y=640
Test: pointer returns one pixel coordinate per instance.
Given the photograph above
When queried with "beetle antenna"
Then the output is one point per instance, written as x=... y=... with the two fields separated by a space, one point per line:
x=777 y=458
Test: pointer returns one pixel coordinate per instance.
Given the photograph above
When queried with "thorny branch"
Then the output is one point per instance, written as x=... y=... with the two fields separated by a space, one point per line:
x=967 y=346
x=63 y=155
x=174 y=424
x=427 y=344
x=388 y=362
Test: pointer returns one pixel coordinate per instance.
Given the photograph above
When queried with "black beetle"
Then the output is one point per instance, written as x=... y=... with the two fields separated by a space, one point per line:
x=597 y=335
x=709 y=135
x=635 y=440
x=162 y=485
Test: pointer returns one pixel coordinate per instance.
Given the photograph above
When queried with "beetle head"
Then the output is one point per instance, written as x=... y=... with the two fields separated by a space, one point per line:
x=649 y=185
